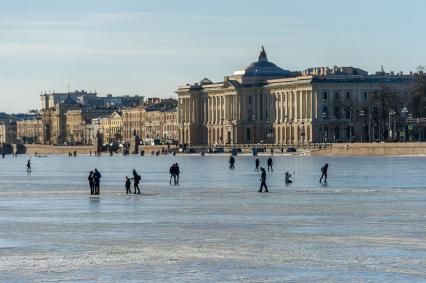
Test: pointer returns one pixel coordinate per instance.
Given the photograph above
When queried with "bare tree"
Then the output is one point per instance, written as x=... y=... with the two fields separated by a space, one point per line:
x=386 y=98
x=417 y=99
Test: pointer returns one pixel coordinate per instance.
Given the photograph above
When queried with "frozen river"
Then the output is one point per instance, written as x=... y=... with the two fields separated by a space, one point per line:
x=367 y=224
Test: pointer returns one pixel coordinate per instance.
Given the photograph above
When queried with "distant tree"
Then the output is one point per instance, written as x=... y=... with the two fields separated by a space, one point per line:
x=421 y=68
x=417 y=99
x=386 y=98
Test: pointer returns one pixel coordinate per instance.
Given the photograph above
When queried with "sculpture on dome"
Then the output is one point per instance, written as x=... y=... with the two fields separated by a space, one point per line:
x=262 y=54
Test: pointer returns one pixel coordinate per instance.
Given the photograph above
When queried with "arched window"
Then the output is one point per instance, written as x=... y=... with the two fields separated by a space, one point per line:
x=324 y=113
x=337 y=133
x=347 y=113
x=337 y=112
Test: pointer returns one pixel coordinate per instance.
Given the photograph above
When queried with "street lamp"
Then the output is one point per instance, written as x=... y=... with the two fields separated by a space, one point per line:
x=267 y=130
x=222 y=139
x=324 y=116
x=392 y=113
x=234 y=134
x=362 y=114
x=405 y=111
x=253 y=118
x=183 y=132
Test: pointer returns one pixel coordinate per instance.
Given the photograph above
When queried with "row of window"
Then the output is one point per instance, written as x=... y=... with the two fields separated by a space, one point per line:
x=337 y=95
x=346 y=111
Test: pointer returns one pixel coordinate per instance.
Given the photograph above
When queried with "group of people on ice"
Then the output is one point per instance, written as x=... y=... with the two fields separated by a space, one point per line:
x=95 y=176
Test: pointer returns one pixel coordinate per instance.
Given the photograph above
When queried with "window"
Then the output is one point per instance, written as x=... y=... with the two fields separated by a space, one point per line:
x=348 y=95
x=347 y=113
x=336 y=95
x=375 y=113
x=337 y=133
x=324 y=114
x=348 y=132
x=337 y=112
x=249 y=100
x=324 y=95
x=248 y=135
x=365 y=95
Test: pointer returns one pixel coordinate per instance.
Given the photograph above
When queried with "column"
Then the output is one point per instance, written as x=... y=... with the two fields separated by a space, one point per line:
x=295 y=105
x=277 y=107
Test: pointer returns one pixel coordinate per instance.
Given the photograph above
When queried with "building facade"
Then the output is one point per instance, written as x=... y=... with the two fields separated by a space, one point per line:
x=151 y=121
x=111 y=128
x=76 y=122
x=264 y=103
x=55 y=121
x=89 y=99
x=7 y=128
x=30 y=131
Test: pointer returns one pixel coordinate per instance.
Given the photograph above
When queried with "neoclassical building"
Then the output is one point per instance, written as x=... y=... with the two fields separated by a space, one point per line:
x=264 y=103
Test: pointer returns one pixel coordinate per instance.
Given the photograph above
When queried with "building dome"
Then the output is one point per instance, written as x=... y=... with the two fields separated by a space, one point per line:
x=263 y=68
x=69 y=101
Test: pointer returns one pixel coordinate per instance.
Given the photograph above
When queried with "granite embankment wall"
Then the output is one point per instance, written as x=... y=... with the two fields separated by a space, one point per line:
x=50 y=149
x=371 y=149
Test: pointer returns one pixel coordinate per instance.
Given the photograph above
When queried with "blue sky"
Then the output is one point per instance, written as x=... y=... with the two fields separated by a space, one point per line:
x=151 y=47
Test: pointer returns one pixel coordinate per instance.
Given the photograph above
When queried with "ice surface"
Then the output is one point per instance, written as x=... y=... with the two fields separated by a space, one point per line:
x=367 y=224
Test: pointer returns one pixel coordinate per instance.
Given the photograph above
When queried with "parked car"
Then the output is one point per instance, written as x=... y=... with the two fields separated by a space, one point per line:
x=189 y=150
x=237 y=149
x=217 y=150
x=291 y=149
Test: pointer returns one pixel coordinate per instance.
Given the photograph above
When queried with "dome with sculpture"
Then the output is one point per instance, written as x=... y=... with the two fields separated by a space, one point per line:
x=262 y=68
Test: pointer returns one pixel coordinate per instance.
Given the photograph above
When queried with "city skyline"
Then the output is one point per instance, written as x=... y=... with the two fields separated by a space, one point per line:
x=144 y=48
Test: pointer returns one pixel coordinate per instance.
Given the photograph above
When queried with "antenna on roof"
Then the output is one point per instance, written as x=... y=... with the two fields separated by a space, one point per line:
x=68 y=88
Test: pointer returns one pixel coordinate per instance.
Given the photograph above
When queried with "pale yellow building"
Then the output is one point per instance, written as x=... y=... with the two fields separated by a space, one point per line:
x=30 y=131
x=76 y=121
x=133 y=123
x=153 y=121
x=264 y=103
x=112 y=128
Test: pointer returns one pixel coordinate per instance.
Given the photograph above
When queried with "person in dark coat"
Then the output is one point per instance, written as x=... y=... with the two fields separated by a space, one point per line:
x=29 y=166
x=97 y=179
x=177 y=172
x=324 y=173
x=288 y=178
x=173 y=176
x=263 y=180
x=257 y=164
x=91 y=180
x=136 y=179
x=128 y=185
x=270 y=163
x=232 y=162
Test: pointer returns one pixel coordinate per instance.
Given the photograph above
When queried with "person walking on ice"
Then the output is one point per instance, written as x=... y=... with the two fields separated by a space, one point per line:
x=91 y=180
x=324 y=173
x=29 y=166
x=231 y=162
x=174 y=174
x=257 y=163
x=128 y=185
x=287 y=178
x=263 y=180
x=97 y=179
x=270 y=163
x=136 y=179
